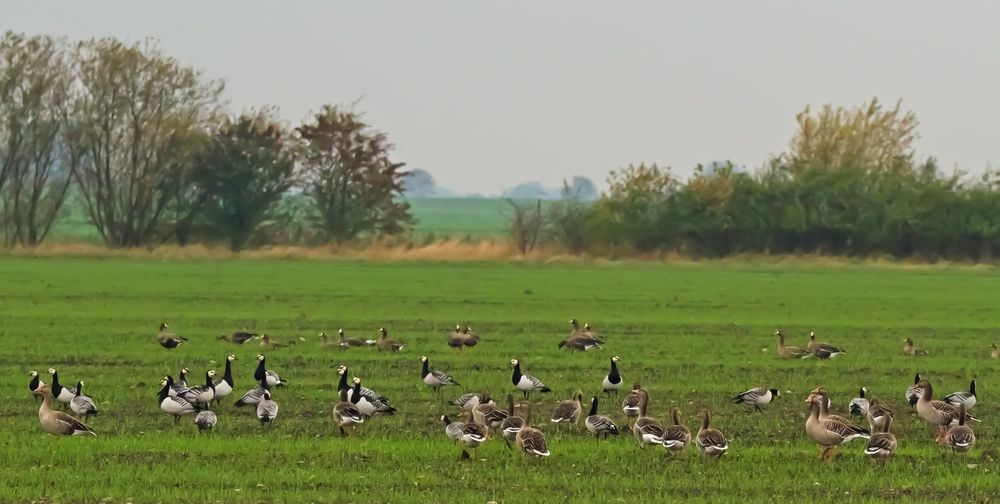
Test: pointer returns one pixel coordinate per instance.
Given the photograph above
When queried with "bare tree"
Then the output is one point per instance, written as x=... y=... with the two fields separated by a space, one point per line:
x=525 y=222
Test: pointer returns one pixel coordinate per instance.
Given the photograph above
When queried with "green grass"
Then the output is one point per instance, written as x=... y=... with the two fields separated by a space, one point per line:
x=694 y=335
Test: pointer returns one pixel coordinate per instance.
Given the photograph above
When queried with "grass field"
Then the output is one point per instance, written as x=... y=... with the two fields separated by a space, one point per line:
x=694 y=335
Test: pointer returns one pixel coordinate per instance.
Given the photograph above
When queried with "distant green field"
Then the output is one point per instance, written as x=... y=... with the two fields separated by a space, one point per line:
x=693 y=335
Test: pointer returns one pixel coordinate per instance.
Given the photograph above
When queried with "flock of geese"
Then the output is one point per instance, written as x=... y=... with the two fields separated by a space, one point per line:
x=479 y=415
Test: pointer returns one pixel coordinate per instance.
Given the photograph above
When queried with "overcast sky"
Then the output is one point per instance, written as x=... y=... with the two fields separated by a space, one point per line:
x=486 y=95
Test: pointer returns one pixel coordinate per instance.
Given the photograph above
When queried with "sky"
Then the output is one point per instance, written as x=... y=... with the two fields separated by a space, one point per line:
x=486 y=95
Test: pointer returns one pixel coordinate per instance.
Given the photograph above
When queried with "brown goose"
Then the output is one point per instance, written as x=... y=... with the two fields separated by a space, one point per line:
x=829 y=432
x=238 y=337
x=345 y=342
x=581 y=343
x=512 y=424
x=168 y=339
x=632 y=403
x=790 y=352
x=910 y=349
x=489 y=415
x=822 y=350
x=995 y=352
x=568 y=411
x=878 y=416
x=960 y=438
x=462 y=337
x=677 y=436
x=531 y=441
x=824 y=409
x=711 y=442
x=471 y=434
x=58 y=423
x=646 y=429
x=346 y=413
x=385 y=344
x=882 y=444
x=937 y=413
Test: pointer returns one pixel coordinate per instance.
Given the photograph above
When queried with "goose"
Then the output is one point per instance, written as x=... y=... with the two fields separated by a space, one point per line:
x=488 y=414
x=455 y=340
x=581 y=343
x=646 y=429
x=168 y=339
x=345 y=342
x=385 y=344
x=270 y=343
x=995 y=352
x=224 y=387
x=677 y=436
x=632 y=403
x=462 y=337
x=599 y=425
x=346 y=413
x=530 y=441
x=179 y=386
x=470 y=434
x=466 y=402
x=251 y=398
x=512 y=424
x=273 y=379
x=267 y=408
x=711 y=442
x=938 y=413
x=590 y=333
x=81 y=404
x=59 y=423
x=914 y=392
x=859 y=405
x=963 y=398
x=35 y=385
x=829 y=432
x=574 y=328
x=910 y=349
x=568 y=411
x=961 y=438
x=206 y=420
x=824 y=407
x=174 y=406
x=613 y=381
x=238 y=337
x=789 y=352
x=380 y=401
x=756 y=397
x=822 y=350
x=433 y=378
x=62 y=394
x=878 y=415
x=882 y=444
x=202 y=394
x=368 y=405
x=526 y=383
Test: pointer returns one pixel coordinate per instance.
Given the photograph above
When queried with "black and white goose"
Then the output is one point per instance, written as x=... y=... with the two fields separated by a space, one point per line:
x=201 y=394
x=174 y=406
x=168 y=339
x=757 y=397
x=433 y=378
x=267 y=408
x=366 y=404
x=967 y=399
x=914 y=392
x=262 y=372
x=859 y=405
x=62 y=394
x=599 y=425
x=35 y=385
x=613 y=381
x=251 y=398
x=180 y=385
x=468 y=401
x=206 y=420
x=470 y=434
x=372 y=396
x=224 y=387
x=526 y=383
x=346 y=413
x=82 y=404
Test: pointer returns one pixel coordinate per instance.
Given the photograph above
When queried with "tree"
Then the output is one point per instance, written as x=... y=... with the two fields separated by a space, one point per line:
x=525 y=223
x=581 y=189
x=419 y=184
x=241 y=175
x=35 y=163
x=136 y=114
x=350 y=179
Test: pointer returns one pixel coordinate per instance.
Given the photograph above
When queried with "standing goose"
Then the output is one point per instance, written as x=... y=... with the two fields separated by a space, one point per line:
x=859 y=405
x=238 y=337
x=62 y=394
x=82 y=404
x=273 y=380
x=531 y=441
x=938 y=413
x=677 y=436
x=512 y=424
x=174 y=406
x=961 y=438
x=368 y=405
x=882 y=444
x=35 y=385
x=433 y=378
x=914 y=392
x=632 y=403
x=470 y=434
x=526 y=383
x=267 y=409
x=202 y=394
x=206 y=420
x=568 y=411
x=754 y=398
x=968 y=399
x=878 y=415
x=910 y=349
x=489 y=415
x=224 y=387
x=822 y=350
x=168 y=339
x=599 y=425
x=345 y=342
x=995 y=352
x=789 y=352
x=711 y=442
x=824 y=406
x=574 y=328
x=646 y=429
x=470 y=400
x=829 y=432
x=346 y=413
x=613 y=381
x=380 y=401
x=58 y=423
x=179 y=386
x=385 y=344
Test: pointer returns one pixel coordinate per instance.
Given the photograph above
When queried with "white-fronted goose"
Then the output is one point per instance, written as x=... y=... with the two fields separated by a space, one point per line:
x=599 y=425
x=613 y=381
x=56 y=422
x=754 y=398
x=262 y=372
x=238 y=337
x=433 y=378
x=346 y=413
x=531 y=441
x=822 y=350
x=470 y=400
x=344 y=342
x=829 y=432
x=201 y=394
x=937 y=413
x=968 y=399
x=168 y=339
x=646 y=429
x=574 y=328
x=82 y=404
x=488 y=414
x=824 y=407
x=470 y=434
x=368 y=404
x=62 y=394
x=269 y=343
x=206 y=420
x=632 y=403
x=677 y=436
x=267 y=408
x=225 y=386
x=961 y=438
x=35 y=385
x=385 y=344
x=914 y=392
x=174 y=406
x=526 y=383
x=859 y=405
x=910 y=349
x=878 y=414
x=462 y=337
x=789 y=352
x=581 y=343
x=591 y=333
x=711 y=442
x=568 y=411
x=882 y=444
x=995 y=352
x=512 y=424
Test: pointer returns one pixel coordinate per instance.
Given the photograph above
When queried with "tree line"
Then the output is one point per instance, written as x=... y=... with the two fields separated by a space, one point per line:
x=146 y=146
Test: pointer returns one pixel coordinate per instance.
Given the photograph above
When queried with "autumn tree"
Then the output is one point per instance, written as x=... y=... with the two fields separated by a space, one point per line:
x=352 y=182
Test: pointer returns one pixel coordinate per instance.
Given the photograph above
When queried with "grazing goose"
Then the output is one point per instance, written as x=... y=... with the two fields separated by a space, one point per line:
x=938 y=413
x=345 y=342
x=961 y=438
x=433 y=378
x=346 y=413
x=179 y=386
x=168 y=339
x=882 y=444
x=368 y=405
x=677 y=436
x=56 y=422
x=995 y=352
x=202 y=394
x=754 y=398
x=878 y=415
x=829 y=432
x=62 y=394
x=512 y=424
x=963 y=398
x=206 y=420
x=632 y=403
x=489 y=415
x=82 y=404
x=466 y=402
x=380 y=401
x=224 y=387
x=267 y=409
x=531 y=441
x=273 y=379
x=859 y=405
x=910 y=349
x=789 y=352
x=238 y=337
x=711 y=442
x=526 y=383
x=581 y=343
x=470 y=434
x=646 y=429
x=613 y=381
x=174 y=406
x=385 y=344
x=914 y=392
x=599 y=425
x=35 y=385
x=251 y=398
x=568 y=411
